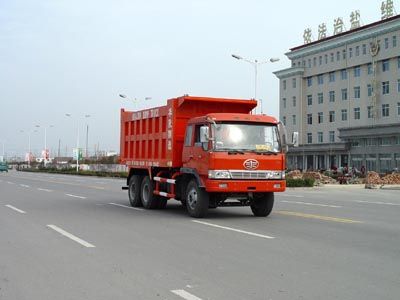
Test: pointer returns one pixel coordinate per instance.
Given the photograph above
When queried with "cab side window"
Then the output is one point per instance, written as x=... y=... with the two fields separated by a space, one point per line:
x=197 y=142
x=188 y=136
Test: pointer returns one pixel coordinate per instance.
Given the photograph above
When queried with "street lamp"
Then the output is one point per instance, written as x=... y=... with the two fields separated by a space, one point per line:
x=77 y=140
x=255 y=63
x=46 y=152
x=29 y=144
x=133 y=99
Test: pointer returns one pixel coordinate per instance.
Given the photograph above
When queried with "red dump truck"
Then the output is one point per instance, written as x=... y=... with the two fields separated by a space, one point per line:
x=205 y=152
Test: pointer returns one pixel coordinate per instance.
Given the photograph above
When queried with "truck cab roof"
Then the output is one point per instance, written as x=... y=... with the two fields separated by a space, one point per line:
x=224 y=117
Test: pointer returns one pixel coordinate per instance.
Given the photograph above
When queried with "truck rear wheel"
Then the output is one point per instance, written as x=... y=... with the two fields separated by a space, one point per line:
x=262 y=204
x=197 y=200
x=134 y=190
x=149 y=200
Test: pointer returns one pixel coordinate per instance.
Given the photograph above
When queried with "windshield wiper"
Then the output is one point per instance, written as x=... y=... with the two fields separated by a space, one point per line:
x=264 y=152
x=231 y=151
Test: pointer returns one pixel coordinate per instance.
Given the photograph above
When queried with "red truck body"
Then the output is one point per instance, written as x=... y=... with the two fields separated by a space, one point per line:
x=166 y=160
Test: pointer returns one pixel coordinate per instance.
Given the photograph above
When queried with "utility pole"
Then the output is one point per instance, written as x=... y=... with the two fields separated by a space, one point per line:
x=59 y=147
x=87 y=140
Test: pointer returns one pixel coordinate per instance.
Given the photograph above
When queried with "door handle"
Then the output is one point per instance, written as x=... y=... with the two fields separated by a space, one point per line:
x=190 y=156
x=200 y=156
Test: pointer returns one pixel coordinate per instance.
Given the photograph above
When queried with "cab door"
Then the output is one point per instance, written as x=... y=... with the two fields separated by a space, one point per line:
x=200 y=153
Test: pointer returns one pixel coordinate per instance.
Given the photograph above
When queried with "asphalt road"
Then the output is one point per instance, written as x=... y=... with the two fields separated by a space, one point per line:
x=61 y=238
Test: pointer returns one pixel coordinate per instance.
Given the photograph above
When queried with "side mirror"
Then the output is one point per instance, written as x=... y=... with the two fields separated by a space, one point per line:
x=204 y=134
x=295 y=139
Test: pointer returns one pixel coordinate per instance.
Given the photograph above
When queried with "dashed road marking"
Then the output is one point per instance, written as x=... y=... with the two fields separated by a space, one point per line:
x=16 y=209
x=25 y=185
x=9 y=182
x=318 y=217
x=44 y=190
x=125 y=206
x=71 y=236
x=234 y=229
x=288 y=195
x=75 y=196
x=311 y=204
x=377 y=202
x=185 y=295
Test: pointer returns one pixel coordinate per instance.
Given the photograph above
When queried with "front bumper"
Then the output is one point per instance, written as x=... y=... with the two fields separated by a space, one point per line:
x=244 y=186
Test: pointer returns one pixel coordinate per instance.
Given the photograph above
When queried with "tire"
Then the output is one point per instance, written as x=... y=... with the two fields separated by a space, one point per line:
x=149 y=200
x=197 y=200
x=134 y=190
x=262 y=204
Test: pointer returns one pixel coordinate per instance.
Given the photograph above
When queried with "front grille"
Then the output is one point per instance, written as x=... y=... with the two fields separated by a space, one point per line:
x=250 y=175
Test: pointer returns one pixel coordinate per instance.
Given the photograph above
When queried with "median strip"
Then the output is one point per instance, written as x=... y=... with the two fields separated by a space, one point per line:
x=71 y=236
x=16 y=209
x=234 y=229
x=317 y=217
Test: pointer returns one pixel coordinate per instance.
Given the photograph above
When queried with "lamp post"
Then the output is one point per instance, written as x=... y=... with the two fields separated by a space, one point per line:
x=29 y=144
x=133 y=99
x=77 y=140
x=46 y=152
x=255 y=63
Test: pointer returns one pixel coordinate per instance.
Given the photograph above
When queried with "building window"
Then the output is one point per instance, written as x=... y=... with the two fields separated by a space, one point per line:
x=320 y=60
x=386 y=141
x=398 y=108
x=294 y=119
x=344 y=114
x=321 y=79
x=332 y=77
x=332 y=96
x=294 y=101
x=357 y=50
x=332 y=57
x=320 y=117
x=357 y=71
x=309 y=138
x=326 y=58
x=284 y=120
x=331 y=136
x=344 y=54
x=398 y=85
x=284 y=102
x=385 y=110
x=309 y=62
x=284 y=84
x=370 y=112
x=343 y=74
x=338 y=55
x=332 y=116
x=357 y=92
x=309 y=119
x=398 y=62
x=386 y=43
x=309 y=81
x=364 y=49
x=357 y=114
x=320 y=98
x=385 y=88
x=320 y=137
x=315 y=61
x=294 y=83
x=369 y=88
x=344 y=94
x=350 y=52
x=309 y=99
x=369 y=67
x=385 y=65
x=394 y=41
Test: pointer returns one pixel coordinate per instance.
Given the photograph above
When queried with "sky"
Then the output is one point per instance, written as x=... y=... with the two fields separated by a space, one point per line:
x=75 y=57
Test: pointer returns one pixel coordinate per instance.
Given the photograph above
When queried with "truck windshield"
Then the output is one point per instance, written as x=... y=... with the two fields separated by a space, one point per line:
x=246 y=137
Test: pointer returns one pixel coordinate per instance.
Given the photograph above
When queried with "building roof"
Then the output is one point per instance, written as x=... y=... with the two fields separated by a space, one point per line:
x=346 y=33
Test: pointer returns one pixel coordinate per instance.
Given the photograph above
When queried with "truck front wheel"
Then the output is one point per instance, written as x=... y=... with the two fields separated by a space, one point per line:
x=262 y=204
x=149 y=200
x=134 y=190
x=197 y=200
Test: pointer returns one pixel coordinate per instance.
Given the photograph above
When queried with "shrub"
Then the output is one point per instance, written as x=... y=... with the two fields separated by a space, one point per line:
x=307 y=182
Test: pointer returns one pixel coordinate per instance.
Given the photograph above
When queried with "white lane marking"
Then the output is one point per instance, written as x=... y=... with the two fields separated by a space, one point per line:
x=9 y=182
x=71 y=236
x=125 y=206
x=16 y=209
x=24 y=185
x=75 y=196
x=44 y=190
x=234 y=229
x=185 y=295
x=311 y=204
x=288 y=195
x=377 y=202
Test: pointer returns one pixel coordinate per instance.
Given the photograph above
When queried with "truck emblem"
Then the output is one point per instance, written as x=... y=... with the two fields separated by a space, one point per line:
x=251 y=164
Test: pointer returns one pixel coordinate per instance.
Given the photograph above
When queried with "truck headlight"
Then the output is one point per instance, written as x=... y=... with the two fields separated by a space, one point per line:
x=219 y=174
x=275 y=175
